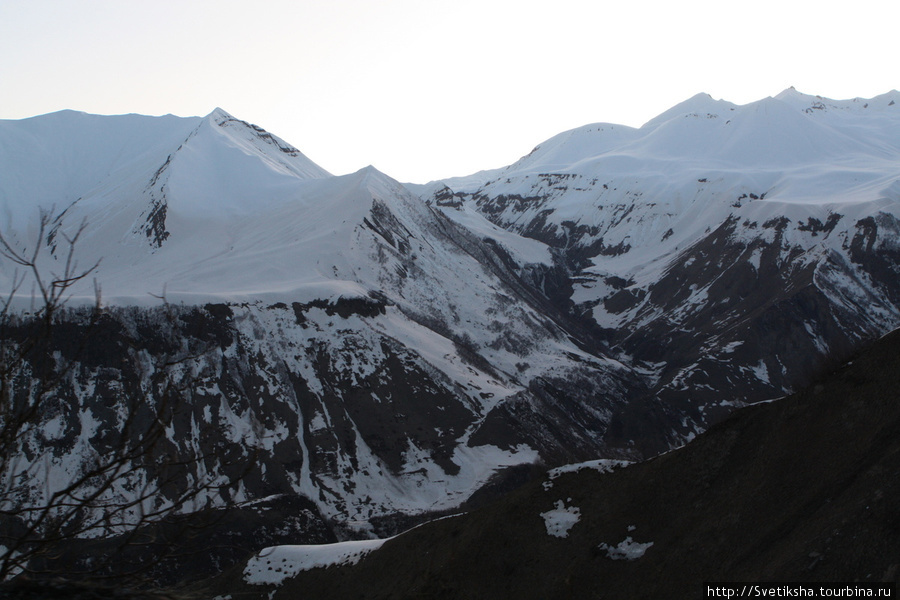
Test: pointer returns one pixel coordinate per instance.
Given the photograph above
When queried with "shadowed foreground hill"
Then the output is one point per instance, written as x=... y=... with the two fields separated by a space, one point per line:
x=804 y=488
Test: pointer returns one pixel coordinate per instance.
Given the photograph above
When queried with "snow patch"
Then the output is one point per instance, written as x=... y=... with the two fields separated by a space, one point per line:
x=602 y=465
x=761 y=371
x=526 y=250
x=732 y=346
x=561 y=519
x=627 y=549
x=275 y=564
x=754 y=258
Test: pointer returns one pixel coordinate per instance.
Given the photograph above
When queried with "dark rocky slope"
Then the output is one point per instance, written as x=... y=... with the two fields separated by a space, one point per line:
x=800 y=489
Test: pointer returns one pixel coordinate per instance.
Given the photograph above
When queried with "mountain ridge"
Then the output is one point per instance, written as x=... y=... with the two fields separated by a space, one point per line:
x=611 y=295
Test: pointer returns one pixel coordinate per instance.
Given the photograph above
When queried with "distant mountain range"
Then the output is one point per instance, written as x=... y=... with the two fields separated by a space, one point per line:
x=384 y=350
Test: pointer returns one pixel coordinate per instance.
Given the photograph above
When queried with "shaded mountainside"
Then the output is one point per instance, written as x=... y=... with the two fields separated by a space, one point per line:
x=737 y=318
x=798 y=489
x=318 y=400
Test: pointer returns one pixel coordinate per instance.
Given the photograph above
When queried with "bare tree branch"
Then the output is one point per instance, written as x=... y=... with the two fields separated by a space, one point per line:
x=135 y=480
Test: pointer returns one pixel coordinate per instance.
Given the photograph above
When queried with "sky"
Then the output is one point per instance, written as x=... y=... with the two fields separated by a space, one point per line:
x=428 y=89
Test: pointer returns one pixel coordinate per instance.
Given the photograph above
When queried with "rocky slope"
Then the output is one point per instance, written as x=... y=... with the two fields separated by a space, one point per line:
x=798 y=489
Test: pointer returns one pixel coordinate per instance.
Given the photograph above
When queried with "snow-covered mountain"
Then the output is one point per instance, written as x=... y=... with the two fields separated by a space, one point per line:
x=725 y=248
x=350 y=337
x=382 y=349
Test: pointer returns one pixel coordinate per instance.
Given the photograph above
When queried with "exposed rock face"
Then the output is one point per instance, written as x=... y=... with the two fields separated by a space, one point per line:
x=798 y=490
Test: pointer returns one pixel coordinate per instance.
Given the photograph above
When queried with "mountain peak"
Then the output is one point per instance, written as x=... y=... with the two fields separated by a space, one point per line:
x=793 y=96
x=271 y=149
x=791 y=92
x=701 y=103
x=219 y=114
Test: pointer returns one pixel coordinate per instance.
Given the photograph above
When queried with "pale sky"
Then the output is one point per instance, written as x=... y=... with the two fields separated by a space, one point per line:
x=426 y=89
